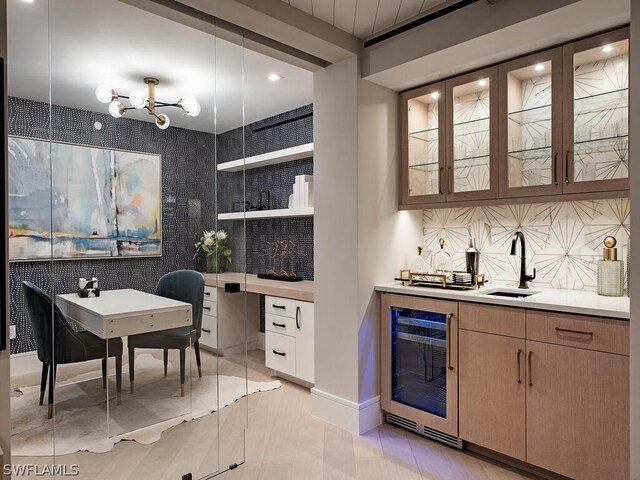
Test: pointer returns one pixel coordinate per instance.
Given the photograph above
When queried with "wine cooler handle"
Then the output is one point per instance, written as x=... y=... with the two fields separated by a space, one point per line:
x=519 y=367
x=449 y=318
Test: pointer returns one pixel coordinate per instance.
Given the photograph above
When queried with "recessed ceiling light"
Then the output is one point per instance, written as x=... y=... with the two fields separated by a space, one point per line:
x=274 y=77
x=539 y=67
x=482 y=83
x=435 y=94
x=607 y=49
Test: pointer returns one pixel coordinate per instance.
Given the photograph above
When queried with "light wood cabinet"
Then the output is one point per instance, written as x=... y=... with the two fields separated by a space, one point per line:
x=577 y=411
x=551 y=389
x=492 y=392
x=545 y=127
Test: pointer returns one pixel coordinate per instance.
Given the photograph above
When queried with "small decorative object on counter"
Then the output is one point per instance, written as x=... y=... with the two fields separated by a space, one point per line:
x=88 y=288
x=610 y=270
x=420 y=265
x=441 y=262
x=214 y=244
x=282 y=256
x=473 y=257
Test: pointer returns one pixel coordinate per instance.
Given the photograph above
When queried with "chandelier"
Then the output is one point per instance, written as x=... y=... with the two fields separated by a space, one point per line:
x=139 y=99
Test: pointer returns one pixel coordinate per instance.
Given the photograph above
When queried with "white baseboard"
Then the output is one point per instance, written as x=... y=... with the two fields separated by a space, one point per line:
x=261 y=341
x=27 y=362
x=356 y=418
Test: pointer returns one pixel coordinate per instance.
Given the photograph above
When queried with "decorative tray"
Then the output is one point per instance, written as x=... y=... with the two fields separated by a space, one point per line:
x=439 y=280
x=282 y=278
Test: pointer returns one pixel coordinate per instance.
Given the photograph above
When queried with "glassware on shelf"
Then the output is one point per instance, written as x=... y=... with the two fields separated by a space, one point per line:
x=420 y=263
x=441 y=262
x=423 y=144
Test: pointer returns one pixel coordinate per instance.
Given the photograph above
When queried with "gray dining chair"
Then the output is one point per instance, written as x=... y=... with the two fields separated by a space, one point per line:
x=58 y=343
x=186 y=286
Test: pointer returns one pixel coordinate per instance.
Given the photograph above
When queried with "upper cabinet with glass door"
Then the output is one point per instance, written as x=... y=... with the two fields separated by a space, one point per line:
x=472 y=136
x=423 y=145
x=531 y=125
x=596 y=111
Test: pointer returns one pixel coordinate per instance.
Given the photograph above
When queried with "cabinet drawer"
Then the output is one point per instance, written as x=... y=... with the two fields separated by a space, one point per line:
x=210 y=309
x=209 y=335
x=592 y=333
x=210 y=294
x=279 y=324
x=280 y=352
x=492 y=319
x=284 y=307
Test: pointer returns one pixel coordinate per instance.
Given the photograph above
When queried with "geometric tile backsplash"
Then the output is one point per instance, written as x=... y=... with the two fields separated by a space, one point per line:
x=564 y=239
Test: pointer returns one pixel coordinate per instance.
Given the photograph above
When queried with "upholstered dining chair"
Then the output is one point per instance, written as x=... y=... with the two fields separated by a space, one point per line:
x=186 y=286
x=58 y=343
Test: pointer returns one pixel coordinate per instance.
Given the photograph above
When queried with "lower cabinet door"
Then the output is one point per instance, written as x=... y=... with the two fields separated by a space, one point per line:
x=578 y=411
x=209 y=335
x=280 y=352
x=492 y=392
x=304 y=329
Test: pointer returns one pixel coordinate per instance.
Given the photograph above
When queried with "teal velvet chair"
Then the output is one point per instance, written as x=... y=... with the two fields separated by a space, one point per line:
x=186 y=286
x=58 y=343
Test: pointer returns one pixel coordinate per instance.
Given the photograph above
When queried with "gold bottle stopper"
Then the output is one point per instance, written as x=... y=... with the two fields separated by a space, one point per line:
x=609 y=252
x=441 y=242
x=419 y=250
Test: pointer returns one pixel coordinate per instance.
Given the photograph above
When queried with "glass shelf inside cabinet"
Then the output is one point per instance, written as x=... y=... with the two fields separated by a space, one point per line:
x=425 y=166
x=429 y=135
x=472 y=161
x=599 y=145
x=539 y=153
x=601 y=102
x=532 y=115
x=472 y=123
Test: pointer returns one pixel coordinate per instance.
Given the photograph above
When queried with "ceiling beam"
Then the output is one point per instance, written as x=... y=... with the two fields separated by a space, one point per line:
x=285 y=24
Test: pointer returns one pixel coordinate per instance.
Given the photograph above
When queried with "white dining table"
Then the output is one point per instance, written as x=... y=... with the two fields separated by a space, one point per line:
x=119 y=313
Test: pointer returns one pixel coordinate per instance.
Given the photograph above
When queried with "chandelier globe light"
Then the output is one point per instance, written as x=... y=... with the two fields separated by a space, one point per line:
x=139 y=100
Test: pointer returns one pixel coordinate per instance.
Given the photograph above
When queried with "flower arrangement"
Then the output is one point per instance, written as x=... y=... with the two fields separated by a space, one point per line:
x=214 y=244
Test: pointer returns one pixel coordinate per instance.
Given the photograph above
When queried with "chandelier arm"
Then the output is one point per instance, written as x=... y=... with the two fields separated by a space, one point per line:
x=162 y=104
x=152 y=112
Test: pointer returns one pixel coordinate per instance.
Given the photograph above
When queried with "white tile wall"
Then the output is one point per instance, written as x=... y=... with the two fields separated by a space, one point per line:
x=564 y=240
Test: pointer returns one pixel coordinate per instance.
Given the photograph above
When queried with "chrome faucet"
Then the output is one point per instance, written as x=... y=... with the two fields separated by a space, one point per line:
x=524 y=278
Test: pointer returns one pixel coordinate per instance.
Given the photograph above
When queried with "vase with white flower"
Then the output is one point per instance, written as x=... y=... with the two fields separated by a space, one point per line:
x=218 y=253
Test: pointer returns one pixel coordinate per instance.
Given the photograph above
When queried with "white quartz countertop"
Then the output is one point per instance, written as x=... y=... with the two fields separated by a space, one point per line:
x=570 y=301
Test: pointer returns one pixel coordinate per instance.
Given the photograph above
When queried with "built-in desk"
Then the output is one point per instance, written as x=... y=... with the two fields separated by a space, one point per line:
x=252 y=284
x=223 y=321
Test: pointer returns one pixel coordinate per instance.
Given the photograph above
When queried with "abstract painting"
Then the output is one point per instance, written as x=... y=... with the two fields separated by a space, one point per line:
x=74 y=202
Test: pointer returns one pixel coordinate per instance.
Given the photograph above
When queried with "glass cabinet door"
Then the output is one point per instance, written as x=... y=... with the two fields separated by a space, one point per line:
x=596 y=124
x=472 y=161
x=422 y=140
x=531 y=125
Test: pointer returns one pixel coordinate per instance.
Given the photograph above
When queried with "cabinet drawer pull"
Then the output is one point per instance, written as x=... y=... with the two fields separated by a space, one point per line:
x=279 y=307
x=448 y=333
x=206 y=308
x=566 y=166
x=578 y=332
x=530 y=370
x=280 y=353
x=555 y=168
x=298 y=317
x=208 y=294
x=281 y=325
x=519 y=368
x=206 y=330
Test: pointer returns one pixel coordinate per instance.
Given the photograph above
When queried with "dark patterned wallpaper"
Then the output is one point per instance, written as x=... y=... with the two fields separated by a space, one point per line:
x=188 y=183
x=286 y=130
x=188 y=203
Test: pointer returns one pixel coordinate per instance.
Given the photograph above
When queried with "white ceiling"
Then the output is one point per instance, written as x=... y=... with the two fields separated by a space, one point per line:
x=106 y=41
x=364 y=18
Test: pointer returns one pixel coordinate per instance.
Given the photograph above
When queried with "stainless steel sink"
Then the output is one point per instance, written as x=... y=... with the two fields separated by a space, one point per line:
x=511 y=293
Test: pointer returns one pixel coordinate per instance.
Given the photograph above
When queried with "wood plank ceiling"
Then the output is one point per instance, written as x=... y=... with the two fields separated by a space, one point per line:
x=364 y=18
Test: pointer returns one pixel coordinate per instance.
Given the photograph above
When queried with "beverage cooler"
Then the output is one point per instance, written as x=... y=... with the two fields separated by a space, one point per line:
x=419 y=351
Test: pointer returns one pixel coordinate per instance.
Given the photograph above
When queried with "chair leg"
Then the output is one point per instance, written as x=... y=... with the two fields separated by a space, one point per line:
x=43 y=382
x=52 y=383
x=183 y=358
x=119 y=378
x=104 y=373
x=166 y=360
x=196 y=346
x=131 y=367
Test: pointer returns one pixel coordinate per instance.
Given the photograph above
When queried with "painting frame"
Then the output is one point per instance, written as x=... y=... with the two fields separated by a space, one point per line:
x=158 y=242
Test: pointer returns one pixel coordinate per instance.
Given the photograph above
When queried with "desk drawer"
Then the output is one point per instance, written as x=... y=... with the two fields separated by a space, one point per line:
x=280 y=352
x=284 y=307
x=210 y=294
x=581 y=331
x=209 y=331
x=210 y=309
x=279 y=324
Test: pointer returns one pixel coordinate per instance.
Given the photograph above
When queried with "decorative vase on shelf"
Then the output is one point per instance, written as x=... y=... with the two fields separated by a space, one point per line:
x=441 y=262
x=610 y=270
x=215 y=263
